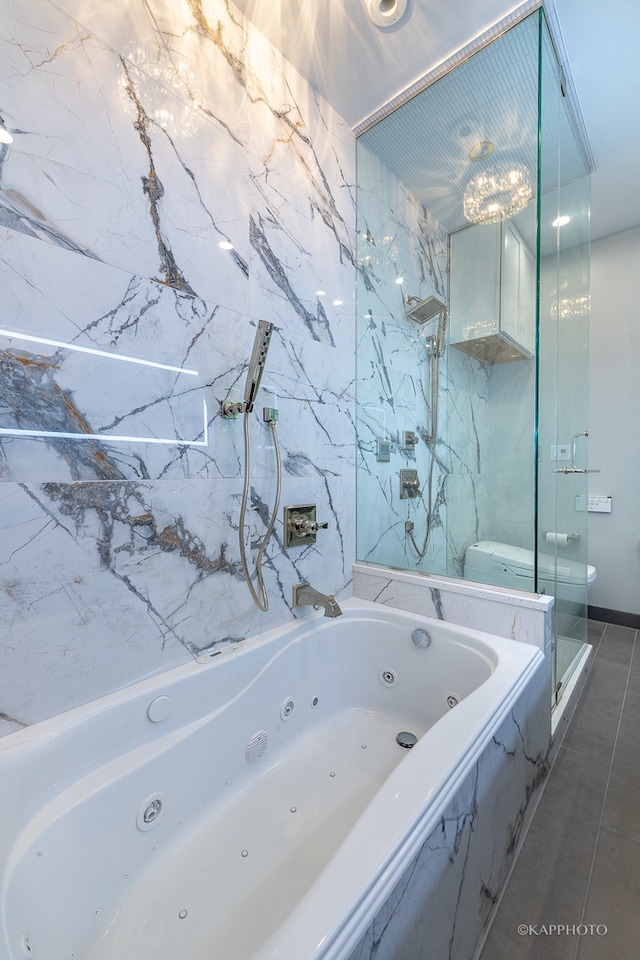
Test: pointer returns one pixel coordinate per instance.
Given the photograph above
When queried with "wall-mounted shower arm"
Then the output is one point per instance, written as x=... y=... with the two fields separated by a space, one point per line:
x=422 y=312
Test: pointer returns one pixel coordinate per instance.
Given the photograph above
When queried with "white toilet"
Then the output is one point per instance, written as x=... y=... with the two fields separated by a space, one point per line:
x=489 y=561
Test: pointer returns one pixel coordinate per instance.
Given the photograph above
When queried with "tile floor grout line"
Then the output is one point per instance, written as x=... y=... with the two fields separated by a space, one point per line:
x=604 y=797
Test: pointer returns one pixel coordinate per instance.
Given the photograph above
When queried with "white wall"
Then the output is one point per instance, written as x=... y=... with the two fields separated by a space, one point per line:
x=614 y=420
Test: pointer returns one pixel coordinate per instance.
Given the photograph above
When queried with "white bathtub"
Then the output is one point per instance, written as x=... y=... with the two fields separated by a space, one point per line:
x=288 y=811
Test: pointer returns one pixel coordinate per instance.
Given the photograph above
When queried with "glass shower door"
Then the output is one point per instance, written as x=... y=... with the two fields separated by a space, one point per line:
x=563 y=376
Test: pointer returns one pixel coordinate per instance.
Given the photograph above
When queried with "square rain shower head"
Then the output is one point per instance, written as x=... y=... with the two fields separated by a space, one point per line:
x=423 y=310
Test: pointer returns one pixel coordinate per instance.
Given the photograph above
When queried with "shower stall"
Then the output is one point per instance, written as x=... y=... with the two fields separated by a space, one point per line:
x=472 y=335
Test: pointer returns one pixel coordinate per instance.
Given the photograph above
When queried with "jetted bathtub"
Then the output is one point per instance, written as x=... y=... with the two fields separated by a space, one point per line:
x=255 y=804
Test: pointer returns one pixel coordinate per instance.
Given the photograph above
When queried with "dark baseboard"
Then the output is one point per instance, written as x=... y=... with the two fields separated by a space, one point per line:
x=619 y=617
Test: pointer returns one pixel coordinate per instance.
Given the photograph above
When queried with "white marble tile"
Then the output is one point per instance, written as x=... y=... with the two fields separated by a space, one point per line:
x=302 y=169
x=117 y=556
x=397 y=239
x=116 y=325
x=104 y=583
x=514 y=614
x=92 y=169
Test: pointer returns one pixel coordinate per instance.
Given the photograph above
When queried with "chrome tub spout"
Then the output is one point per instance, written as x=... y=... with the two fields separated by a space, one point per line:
x=305 y=595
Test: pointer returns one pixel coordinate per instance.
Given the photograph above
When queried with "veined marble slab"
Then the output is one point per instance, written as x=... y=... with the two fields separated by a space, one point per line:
x=144 y=135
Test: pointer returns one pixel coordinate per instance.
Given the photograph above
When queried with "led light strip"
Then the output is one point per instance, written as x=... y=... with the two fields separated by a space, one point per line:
x=12 y=335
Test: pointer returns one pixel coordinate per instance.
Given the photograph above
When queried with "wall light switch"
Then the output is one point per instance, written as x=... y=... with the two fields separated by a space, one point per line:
x=560 y=451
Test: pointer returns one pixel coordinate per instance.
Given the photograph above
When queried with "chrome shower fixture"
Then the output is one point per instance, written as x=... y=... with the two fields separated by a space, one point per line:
x=420 y=311
x=230 y=409
x=270 y=416
x=257 y=362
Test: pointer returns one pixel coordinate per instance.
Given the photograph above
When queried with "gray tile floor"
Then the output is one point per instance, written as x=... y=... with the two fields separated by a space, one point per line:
x=579 y=866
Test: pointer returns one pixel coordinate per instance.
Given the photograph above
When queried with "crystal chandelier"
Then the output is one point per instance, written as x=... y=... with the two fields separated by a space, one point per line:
x=164 y=85
x=498 y=194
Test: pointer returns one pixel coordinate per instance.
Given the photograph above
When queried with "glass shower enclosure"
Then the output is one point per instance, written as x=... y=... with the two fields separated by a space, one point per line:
x=472 y=307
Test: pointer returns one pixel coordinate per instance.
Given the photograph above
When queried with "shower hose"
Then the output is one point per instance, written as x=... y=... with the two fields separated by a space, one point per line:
x=428 y=510
x=259 y=596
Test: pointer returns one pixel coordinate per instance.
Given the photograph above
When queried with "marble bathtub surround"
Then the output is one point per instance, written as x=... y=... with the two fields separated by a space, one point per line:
x=445 y=901
x=514 y=614
x=145 y=135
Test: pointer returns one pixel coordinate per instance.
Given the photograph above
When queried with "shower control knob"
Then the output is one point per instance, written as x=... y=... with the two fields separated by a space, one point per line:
x=301 y=526
x=409 y=440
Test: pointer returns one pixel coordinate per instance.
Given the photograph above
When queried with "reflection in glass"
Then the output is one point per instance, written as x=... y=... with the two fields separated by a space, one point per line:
x=475 y=147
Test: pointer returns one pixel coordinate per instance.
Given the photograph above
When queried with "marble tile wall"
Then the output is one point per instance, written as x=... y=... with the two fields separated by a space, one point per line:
x=397 y=238
x=145 y=133
x=482 y=481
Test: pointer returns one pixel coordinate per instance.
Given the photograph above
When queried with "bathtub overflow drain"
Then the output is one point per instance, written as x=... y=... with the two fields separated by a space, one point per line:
x=406 y=739
x=421 y=638
x=452 y=700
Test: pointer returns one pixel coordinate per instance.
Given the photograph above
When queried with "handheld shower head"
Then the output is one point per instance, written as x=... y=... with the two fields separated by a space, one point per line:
x=422 y=310
x=257 y=362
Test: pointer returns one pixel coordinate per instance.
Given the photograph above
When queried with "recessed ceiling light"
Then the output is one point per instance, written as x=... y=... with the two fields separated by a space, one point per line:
x=225 y=245
x=399 y=279
x=5 y=136
x=561 y=221
x=337 y=303
x=482 y=150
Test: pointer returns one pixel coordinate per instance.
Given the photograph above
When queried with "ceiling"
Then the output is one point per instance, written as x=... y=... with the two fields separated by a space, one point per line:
x=358 y=67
